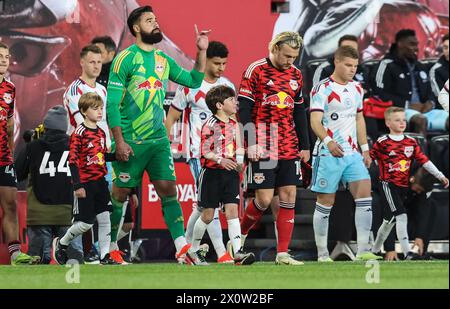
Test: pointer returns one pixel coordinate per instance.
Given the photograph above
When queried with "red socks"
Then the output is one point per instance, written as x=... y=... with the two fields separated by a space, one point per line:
x=253 y=214
x=285 y=225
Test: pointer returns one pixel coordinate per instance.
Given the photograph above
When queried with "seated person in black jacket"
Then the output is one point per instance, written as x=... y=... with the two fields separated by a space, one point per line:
x=402 y=79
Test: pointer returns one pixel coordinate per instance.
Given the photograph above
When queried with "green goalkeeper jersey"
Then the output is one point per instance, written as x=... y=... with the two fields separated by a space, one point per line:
x=136 y=90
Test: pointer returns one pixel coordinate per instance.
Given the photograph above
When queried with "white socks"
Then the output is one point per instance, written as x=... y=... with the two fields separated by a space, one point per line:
x=320 y=222
x=215 y=234
x=76 y=229
x=191 y=223
x=214 y=230
x=104 y=233
x=382 y=235
x=363 y=223
x=199 y=231
x=402 y=232
x=234 y=232
x=180 y=242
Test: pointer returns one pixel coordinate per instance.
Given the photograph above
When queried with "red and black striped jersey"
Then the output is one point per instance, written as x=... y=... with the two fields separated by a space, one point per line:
x=220 y=138
x=274 y=94
x=395 y=158
x=7 y=100
x=87 y=153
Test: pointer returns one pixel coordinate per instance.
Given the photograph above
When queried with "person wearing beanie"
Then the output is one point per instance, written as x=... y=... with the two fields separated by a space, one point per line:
x=56 y=119
x=49 y=193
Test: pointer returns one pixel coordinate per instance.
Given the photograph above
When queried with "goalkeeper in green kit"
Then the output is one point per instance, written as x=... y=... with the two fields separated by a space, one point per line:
x=136 y=91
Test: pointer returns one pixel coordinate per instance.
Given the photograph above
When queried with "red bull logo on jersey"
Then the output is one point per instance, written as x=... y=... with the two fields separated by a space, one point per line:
x=8 y=98
x=151 y=84
x=409 y=151
x=293 y=84
x=400 y=166
x=97 y=159
x=281 y=100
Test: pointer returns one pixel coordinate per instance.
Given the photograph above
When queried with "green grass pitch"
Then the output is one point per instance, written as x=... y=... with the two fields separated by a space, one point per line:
x=414 y=274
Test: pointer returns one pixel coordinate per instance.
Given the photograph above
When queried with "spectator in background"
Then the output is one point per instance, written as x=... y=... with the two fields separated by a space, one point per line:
x=402 y=79
x=439 y=71
x=327 y=68
x=49 y=191
x=108 y=48
x=443 y=96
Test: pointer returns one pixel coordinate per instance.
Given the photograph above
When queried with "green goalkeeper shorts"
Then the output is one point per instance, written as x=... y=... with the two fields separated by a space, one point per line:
x=154 y=157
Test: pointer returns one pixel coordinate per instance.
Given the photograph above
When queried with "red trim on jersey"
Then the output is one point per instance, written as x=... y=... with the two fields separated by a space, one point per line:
x=330 y=134
x=338 y=82
x=200 y=94
x=333 y=95
x=95 y=87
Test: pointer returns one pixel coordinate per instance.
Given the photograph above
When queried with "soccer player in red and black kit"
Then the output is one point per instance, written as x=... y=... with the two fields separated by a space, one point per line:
x=273 y=115
x=87 y=162
x=8 y=182
x=395 y=154
x=222 y=157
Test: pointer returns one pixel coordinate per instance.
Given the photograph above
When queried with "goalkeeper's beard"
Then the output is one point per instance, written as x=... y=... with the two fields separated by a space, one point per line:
x=151 y=37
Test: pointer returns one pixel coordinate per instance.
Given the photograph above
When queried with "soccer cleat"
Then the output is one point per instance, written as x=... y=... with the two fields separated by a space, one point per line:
x=182 y=257
x=411 y=256
x=204 y=249
x=127 y=256
x=230 y=245
x=367 y=256
x=107 y=260
x=59 y=252
x=284 y=258
x=197 y=258
x=92 y=257
x=116 y=255
x=35 y=259
x=243 y=258
x=25 y=259
x=225 y=259
x=324 y=259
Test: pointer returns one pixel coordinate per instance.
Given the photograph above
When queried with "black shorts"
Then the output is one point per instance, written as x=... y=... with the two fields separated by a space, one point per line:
x=216 y=186
x=8 y=176
x=266 y=174
x=393 y=198
x=97 y=200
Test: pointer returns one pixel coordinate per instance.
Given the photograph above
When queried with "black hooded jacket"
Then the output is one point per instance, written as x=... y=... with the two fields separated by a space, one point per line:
x=46 y=160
